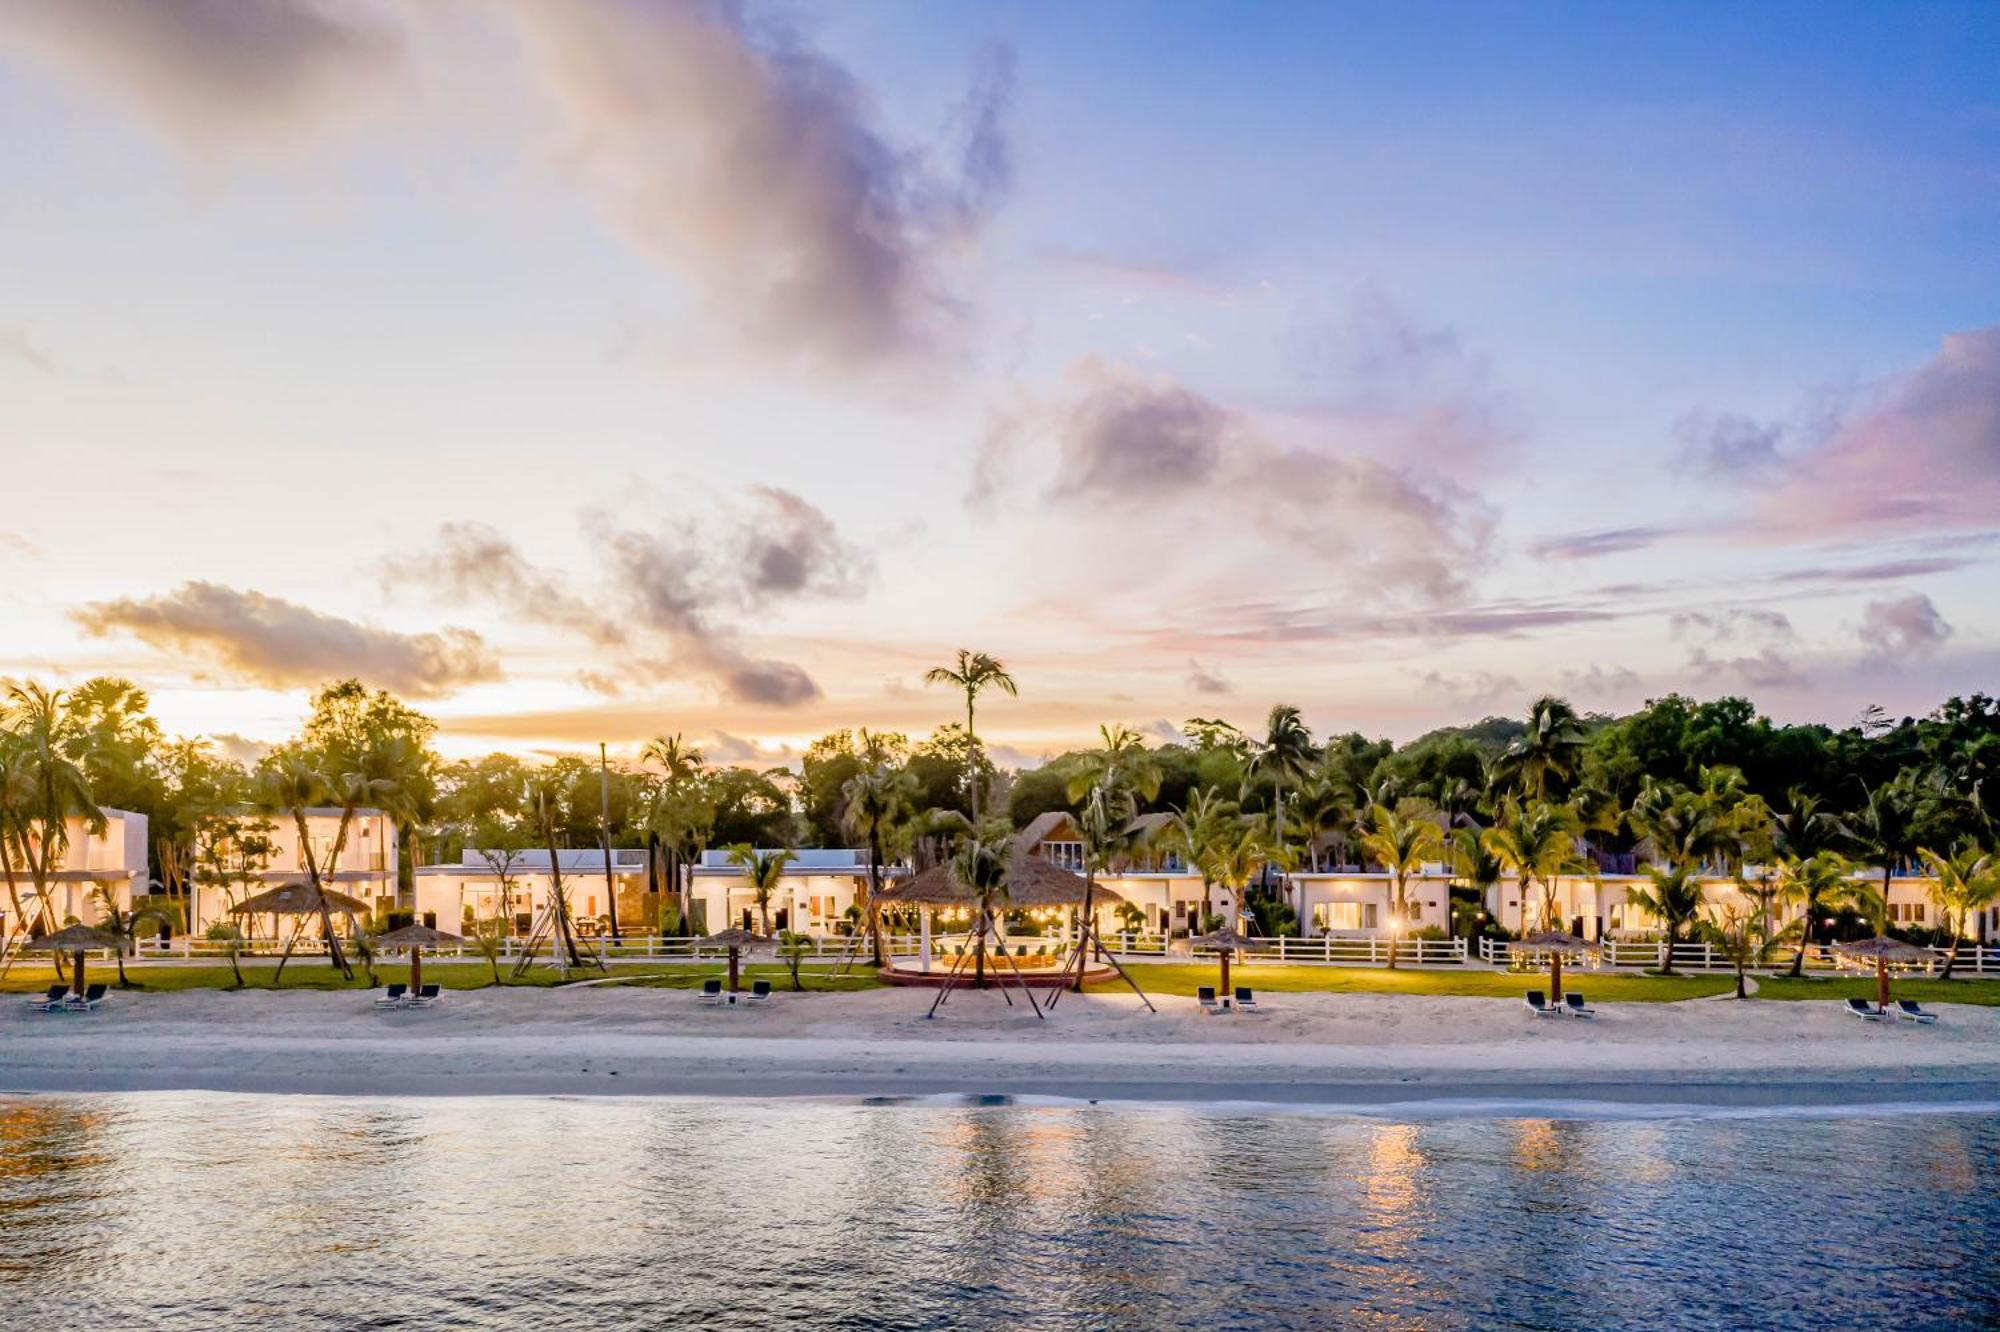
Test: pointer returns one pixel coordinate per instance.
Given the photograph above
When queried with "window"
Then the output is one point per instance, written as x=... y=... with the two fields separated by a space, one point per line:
x=1064 y=855
x=1906 y=913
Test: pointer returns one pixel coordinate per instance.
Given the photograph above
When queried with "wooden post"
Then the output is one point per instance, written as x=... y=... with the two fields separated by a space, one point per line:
x=1555 y=976
x=1225 y=991
x=1881 y=980
x=78 y=972
x=734 y=964
x=416 y=970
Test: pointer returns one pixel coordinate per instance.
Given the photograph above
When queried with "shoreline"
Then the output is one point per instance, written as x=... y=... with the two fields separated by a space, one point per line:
x=1312 y=1052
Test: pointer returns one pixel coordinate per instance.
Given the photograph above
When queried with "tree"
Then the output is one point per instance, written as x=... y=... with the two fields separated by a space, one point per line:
x=1542 y=763
x=489 y=939
x=1400 y=842
x=1235 y=855
x=1198 y=830
x=1284 y=756
x=546 y=792
x=125 y=924
x=1888 y=828
x=1675 y=898
x=793 y=948
x=874 y=802
x=1968 y=881
x=1536 y=843
x=1742 y=936
x=42 y=787
x=975 y=673
x=764 y=870
x=1817 y=883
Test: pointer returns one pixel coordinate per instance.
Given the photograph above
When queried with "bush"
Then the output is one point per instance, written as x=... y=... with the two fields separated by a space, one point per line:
x=222 y=932
x=1427 y=932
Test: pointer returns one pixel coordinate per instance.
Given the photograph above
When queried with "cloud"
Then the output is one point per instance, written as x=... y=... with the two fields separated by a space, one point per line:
x=209 y=70
x=1750 y=646
x=1163 y=452
x=1407 y=388
x=722 y=747
x=1923 y=455
x=1475 y=690
x=1600 y=682
x=1900 y=625
x=19 y=346
x=1202 y=680
x=1604 y=541
x=668 y=599
x=281 y=644
x=748 y=160
x=1882 y=572
x=1728 y=447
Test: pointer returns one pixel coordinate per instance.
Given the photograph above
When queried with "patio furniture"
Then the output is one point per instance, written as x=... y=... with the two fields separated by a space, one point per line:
x=426 y=997
x=760 y=990
x=1864 y=1010
x=1246 y=999
x=711 y=991
x=393 y=996
x=1577 y=1007
x=1910 y=1010
x=1205 y=996
x=1539 y=1003
x=90 y=998
x=48 y=1000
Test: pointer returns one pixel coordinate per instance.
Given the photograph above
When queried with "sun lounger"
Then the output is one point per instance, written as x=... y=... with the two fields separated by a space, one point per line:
x=92 y=997
x=1861 y=1008
x=1578 y=1008
x=426 y=998
x=1246 y=999
x=49 y=1000
x=1539 y=1003
x=393 y=996
x=711 y=991
x=759 y=991
x=1912 y=1011
x=1205 y=996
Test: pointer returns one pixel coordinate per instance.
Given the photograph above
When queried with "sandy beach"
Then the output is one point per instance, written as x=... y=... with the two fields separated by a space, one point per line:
x=1308 y=1048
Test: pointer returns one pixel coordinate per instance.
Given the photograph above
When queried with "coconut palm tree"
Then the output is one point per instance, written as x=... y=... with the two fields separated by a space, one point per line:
x=873 y=804
x=764 y=870
x=124 y=925
x=1968 y=881
x=1285 y=755
x=1236 y=854
x=975 y=673
x=1548 y=754
x=1472 y=863
x=44 y=786
x=1400 y=842
x=1817 y=883
x=1675 y=898
x=1743 y=938
x=1536 y=843
x=1887 y=831
x=1196 y=830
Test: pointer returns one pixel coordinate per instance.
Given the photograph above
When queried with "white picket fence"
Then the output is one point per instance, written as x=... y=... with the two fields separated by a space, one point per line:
x=1973 y=959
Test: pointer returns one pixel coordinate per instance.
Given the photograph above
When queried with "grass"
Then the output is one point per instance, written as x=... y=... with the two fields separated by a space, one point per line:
x=1171 y=978
x=1983 y=992
x=33 y=977
x=858 y=977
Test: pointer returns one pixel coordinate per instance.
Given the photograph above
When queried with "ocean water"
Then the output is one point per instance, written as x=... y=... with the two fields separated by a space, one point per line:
x=211 y=1211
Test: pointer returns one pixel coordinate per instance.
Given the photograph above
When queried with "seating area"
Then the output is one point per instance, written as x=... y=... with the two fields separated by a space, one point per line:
x=1573 y=1004
x=713 y=993
x=398 y=996
x=1909 y=1010
x=1864 y=1010
x=1244 y=1000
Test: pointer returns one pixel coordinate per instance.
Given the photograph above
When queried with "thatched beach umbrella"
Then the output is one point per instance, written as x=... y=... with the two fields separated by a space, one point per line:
x=735 y=940
x=1555 y=943
x=1882 y=950
x=298 y=899
x=1225 y=941
x=76 y=940
x=416 y=938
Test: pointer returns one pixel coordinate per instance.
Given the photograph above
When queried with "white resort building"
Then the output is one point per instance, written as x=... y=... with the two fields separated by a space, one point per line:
x=365 y=869
x=112 y=860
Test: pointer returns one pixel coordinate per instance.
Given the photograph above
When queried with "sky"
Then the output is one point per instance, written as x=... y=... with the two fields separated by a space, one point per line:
x=592 y=371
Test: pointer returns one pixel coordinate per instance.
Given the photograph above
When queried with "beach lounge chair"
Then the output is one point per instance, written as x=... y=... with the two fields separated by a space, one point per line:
x=1539 y=1002
x=1578 y=1008
x=1246 y=999
x=1861 y=1008
x=759 y=991
x=428 y=996
x=1912 y=1011
x=92 y=997
x=1205 y=996
x=393 y=996
x=711 y=991
x=49 y=1000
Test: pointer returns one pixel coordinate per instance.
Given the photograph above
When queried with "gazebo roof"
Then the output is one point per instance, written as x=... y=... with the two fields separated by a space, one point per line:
x=731 y=938
x=416 y=936
x=298 y=899
x=1030 y=882
x=1554 y=941
x=1226 y=937
x=74 y=939
x=1885 y=949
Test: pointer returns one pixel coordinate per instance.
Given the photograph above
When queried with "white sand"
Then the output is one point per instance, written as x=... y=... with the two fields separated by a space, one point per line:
x=1341 y=1049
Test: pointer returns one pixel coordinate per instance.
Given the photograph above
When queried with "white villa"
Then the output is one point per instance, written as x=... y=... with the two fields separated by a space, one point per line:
x=114 y=859
x=366 y=869
x=815 y=891
x=484 y=882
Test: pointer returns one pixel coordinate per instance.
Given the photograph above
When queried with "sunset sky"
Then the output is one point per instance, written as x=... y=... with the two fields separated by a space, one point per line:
x=593 y=370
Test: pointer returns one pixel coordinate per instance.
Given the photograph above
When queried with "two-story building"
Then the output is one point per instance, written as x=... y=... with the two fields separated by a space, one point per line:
x=95 y=862
x=365 y=868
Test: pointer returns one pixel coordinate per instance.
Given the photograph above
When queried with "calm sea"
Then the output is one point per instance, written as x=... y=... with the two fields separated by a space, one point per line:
x=211 y=1211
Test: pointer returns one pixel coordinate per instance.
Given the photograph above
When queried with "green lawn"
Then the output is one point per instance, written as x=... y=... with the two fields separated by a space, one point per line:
x=1181 y=979
x=31 y=977
x=858 y=977
x=1984 y=992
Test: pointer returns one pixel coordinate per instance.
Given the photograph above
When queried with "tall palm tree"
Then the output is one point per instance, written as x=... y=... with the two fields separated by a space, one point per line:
x=1472 y=863
x=544 y=795
x=674 y=757
x=45 y=786
x=1675 y=898
x=1817 y=883
x=1536 y=843
x=1968 y=881
x=1400 y=842
x=1887 y=829
x=1550 y=749
x=1285 y=755
x=975 y=673
x=764 y=870
x=1197 y=829
x=681 y=764
x=874 y=802
x=1236 y=854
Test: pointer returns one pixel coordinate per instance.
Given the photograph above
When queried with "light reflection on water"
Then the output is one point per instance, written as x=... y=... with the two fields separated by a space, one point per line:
x=200 y=1210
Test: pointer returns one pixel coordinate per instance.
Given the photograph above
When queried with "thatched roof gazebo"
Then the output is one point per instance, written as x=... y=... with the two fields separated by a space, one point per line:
x=1882 y=950
x=76 y=940
x=299 y=899
x=1226 y=942
x=737 y=941
x=1557 y=944
x=1030 y=882
x=416 y=938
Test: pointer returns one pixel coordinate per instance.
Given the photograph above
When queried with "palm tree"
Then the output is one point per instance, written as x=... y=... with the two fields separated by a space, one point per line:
x=1285 y=755
x=1675 y=898
x=975 y=673
x=1237 y=853
x=1741 y=936
x=1536 y=843
x=1400 y=843
x=44 y=786
x=1887 y=829
x=1197 y=830
x=544 y=794
x=1818 y=883
x=874 y=802
x=681 y=764
x=124 y=925
x=1551 y=748
x=1472 y=863
x=764 y=870
x=1968 y=881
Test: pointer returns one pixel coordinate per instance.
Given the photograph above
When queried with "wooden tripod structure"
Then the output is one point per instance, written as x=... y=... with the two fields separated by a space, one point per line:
x=980 y=929
x=1087 y=941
